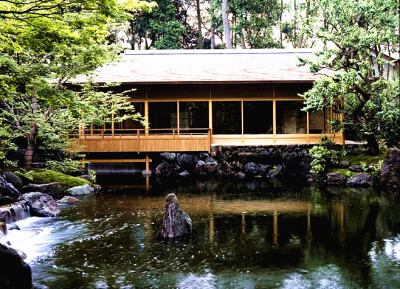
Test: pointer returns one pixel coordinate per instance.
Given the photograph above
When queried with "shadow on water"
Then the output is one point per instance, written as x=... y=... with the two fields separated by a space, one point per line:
x=247 y=234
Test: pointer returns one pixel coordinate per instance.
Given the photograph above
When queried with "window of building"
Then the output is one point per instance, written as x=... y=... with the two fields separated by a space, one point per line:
x=162 y=115
x=290 y=119
x=258 y=117
x=193 y=115
x=226 y=117
x=317 y=124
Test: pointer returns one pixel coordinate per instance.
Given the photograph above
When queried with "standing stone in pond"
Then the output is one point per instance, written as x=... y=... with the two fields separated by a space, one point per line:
x=176 y=223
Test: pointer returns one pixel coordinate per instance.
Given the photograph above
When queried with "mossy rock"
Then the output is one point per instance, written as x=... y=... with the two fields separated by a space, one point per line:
x=345 y=172
x=48 y=176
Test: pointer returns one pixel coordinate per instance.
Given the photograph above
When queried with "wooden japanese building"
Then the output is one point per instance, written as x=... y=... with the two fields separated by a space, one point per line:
x=195 y=99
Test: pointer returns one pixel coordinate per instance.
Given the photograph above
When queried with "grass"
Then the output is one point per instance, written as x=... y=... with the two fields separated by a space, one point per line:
x=48 y=176
x=359 y=158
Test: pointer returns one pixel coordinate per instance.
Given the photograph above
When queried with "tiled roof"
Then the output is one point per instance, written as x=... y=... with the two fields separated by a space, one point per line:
x=205 y=66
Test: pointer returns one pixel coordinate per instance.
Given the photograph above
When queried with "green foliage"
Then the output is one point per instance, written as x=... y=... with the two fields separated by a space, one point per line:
x=42 y=45
x=48 y=176
x=66 y=166
x=5 y=144
x=324 y=155
x=359 y=37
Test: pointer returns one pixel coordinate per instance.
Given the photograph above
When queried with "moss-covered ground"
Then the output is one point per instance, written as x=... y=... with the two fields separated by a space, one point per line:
x=357 y=158
x=360 y=158
x=48 y=176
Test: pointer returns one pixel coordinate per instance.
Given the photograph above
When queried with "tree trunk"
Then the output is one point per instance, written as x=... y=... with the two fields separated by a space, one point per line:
x=295 y=24
x=199 y=24
x=212 y=38
x=301 y=38
x=225 y=22
x=373 y=146
x=30 y=149
x=242 y=40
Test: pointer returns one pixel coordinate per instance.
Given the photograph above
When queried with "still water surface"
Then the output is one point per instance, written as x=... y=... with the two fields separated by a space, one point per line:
x=246 y=235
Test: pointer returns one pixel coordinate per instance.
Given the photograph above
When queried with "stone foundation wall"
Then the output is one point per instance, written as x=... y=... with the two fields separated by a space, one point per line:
x=240 y=162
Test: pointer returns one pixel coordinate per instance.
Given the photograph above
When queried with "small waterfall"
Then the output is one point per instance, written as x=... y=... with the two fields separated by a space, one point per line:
x=20 y=211
x=16 y=212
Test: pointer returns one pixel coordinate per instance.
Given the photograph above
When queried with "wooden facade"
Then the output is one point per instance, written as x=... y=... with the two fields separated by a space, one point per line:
x=194 y=99
x=270 y=101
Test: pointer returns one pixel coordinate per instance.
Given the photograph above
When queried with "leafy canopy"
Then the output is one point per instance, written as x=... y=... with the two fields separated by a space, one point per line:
x=359 y=39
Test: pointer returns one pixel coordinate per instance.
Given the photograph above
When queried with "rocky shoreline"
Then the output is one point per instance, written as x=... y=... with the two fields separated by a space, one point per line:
x=270 y=162
x=21 y=198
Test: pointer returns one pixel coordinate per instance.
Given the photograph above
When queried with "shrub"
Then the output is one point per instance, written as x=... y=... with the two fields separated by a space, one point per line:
x=324 y=155
x=67 y=166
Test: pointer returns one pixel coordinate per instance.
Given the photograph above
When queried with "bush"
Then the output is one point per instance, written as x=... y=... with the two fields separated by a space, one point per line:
x=324 y=155
x=67 y=166
x=48 y=176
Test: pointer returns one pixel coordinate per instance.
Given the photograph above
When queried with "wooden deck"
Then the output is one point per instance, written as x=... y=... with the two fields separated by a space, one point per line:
x=173 y=140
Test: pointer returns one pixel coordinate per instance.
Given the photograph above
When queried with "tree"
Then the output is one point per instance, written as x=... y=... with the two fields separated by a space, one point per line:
x=225 y=21
x=359 y=37
x=43 y=44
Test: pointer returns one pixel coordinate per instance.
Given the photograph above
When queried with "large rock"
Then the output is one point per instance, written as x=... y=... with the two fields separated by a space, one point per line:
x=41 y=205
x=199 y=169
x=390 y=173
x=187 y=161
x=355 y=168
x=14 y=272
x=165 y=170
x=336 y=179
x=264 y=169
x=362 y=180
x=81 y=190
x=210 y=167
x=7 y=189
x=53 y=189
x=15 y=180
x=251 y=169
x=168 y=156
x=176 y=223
x=69 y=200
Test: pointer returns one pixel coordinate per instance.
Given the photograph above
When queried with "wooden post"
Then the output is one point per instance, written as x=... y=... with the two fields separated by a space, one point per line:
x=112 y=123
x=242 y=120
x=177 y=115
x=147 y=171
x=138 y=140
x=210 y=119
x=275 y=227
x=274 y=119
x=146 y=115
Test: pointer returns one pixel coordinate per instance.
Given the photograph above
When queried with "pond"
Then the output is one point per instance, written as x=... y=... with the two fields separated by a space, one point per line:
x=247 y=234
